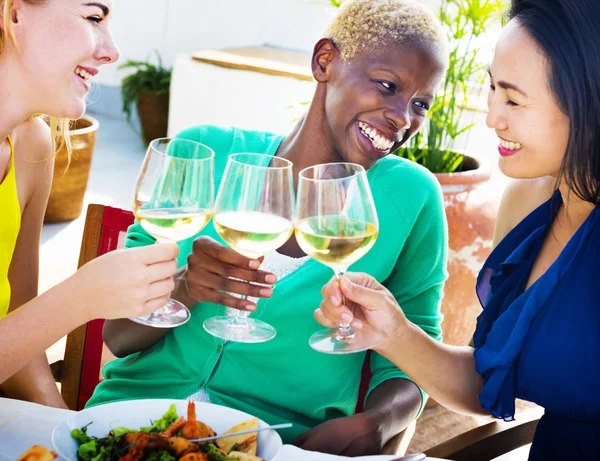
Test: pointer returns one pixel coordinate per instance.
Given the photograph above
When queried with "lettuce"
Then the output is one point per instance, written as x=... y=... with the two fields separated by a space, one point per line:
x=163 y=423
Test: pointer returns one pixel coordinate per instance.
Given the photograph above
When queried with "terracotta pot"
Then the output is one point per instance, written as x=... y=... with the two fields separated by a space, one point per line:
x=471 y=202
x=153 y=111
x=69 y=183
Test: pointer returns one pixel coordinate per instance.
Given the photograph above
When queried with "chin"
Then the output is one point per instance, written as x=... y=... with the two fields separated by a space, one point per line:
x=514 y=170
x=73 y=111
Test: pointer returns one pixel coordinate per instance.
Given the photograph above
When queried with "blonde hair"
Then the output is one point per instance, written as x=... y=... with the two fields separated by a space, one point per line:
x=373 y=25
x=58 y=127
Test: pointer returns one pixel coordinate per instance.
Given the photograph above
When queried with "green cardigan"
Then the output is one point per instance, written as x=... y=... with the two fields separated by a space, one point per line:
x=284 y=380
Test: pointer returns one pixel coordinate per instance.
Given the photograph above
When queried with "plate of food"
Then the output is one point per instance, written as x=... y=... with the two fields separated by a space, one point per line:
x=163 y=430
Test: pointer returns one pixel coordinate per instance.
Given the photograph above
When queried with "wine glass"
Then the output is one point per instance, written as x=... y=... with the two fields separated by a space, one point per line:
x=173 y=200
x=337 y=225
x=253 y=215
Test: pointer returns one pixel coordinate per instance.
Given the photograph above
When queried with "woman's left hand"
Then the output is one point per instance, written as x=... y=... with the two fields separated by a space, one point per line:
x=356 y=435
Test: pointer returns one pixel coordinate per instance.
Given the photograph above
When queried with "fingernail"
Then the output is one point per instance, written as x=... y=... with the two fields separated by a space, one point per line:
x=250 y=307
x=345 y=283
x=265 y=292
x=270 y=278
x=357 y=325
x=346 y=317
x=335 y=300
x=254 y=264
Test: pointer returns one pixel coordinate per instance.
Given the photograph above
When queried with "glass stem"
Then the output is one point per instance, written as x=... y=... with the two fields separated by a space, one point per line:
x=344 y=332
x=240 y=318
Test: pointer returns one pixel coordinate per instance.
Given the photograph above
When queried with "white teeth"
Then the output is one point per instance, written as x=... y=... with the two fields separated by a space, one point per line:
x=510 y=145
x=83 y=74
x=380 y=142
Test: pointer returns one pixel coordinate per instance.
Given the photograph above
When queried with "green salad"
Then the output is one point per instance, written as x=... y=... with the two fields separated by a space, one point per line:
x=159 y=445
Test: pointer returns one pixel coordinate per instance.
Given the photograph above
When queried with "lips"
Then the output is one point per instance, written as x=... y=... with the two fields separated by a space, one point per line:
x=85 y=74
x=368 y=142
x=507 y=148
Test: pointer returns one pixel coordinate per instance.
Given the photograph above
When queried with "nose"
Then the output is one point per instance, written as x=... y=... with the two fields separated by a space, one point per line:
x=398 y=115
x=495 y=118
x=107 y=51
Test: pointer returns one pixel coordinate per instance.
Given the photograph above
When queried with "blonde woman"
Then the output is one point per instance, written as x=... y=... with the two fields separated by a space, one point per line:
x=49 y=52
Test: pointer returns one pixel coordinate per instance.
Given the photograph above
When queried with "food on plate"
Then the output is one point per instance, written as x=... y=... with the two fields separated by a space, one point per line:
x=37 y=453
x=169 y=439
x=244 y=442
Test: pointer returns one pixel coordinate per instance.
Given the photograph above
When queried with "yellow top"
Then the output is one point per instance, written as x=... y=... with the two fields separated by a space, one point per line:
x=10 y=224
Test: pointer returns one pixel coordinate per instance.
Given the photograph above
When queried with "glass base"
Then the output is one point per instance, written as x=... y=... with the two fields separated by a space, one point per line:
x=330 y=342
x=172 y=314
x=230 y=328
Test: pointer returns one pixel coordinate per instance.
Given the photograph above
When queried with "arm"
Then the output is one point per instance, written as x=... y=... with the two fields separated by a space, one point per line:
x=206 y=278
x=411 y=334
x=392 y=406
x=97 y=290
x=29 y=330
x=34 y=382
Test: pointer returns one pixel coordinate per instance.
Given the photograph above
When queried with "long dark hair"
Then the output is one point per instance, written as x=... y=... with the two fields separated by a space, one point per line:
x=568 y=32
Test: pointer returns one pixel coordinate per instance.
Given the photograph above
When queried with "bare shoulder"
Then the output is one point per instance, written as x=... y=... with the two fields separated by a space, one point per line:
x=33 y=141
x=33 y=158
x=519 y=199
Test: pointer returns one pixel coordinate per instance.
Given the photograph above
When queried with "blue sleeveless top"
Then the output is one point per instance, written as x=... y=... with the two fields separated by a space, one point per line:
x=543 y=344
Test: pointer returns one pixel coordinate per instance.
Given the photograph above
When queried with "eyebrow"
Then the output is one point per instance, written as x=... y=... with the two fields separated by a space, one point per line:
x=506 y=85
x=102 y=6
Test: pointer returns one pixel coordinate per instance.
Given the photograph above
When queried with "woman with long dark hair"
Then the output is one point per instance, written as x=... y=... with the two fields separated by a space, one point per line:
x=538 y=337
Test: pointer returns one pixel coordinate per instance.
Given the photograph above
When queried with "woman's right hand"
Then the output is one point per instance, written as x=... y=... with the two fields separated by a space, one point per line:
x=126 y=283
x=212 y=270
x=367 y=301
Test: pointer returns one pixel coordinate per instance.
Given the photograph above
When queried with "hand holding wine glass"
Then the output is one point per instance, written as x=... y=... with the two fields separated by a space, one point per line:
x=337 y=225
x=173 y=200
x=366 y=301
x=253 y=215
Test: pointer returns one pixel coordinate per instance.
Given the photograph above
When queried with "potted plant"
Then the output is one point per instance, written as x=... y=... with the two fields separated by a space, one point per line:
x=470 y=206
x=148 y=89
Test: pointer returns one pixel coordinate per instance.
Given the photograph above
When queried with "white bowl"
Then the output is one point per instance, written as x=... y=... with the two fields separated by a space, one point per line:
x=134 y=414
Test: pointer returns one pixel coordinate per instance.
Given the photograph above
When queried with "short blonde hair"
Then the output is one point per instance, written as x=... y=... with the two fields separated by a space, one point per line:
x=58 y=127
x=372 y=25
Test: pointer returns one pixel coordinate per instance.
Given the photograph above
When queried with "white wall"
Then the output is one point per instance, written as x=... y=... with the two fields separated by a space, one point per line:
x=176 y=26
x=185 y=26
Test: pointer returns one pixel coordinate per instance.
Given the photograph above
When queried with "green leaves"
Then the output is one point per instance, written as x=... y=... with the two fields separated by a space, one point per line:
x=163 y=423
x=464 y=21
x=147 y=77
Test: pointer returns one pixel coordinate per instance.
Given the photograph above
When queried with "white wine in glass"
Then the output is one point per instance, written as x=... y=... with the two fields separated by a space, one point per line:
x=253 y=233
x=173 y=200
x=169 y=224
x=337 y=225
x=253 y=215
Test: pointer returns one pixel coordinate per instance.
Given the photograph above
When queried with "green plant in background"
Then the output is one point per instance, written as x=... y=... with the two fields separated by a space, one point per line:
x=464 y=21
x=147 y=77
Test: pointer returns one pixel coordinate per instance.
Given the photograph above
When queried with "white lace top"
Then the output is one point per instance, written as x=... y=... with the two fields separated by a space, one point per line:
x=278 y=264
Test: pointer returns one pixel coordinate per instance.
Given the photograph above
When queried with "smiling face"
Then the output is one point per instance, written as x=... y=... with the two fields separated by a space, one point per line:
x=533 y=130
x=375 y=102
x=61 y=46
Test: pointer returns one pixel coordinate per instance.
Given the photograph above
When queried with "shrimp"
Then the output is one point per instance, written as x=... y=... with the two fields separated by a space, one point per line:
x=194 y=429
x=136 y=452
x=174 y=428
x=176 y=446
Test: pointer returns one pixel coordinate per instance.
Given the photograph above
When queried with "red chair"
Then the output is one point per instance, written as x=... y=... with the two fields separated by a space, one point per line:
x=85 y=353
